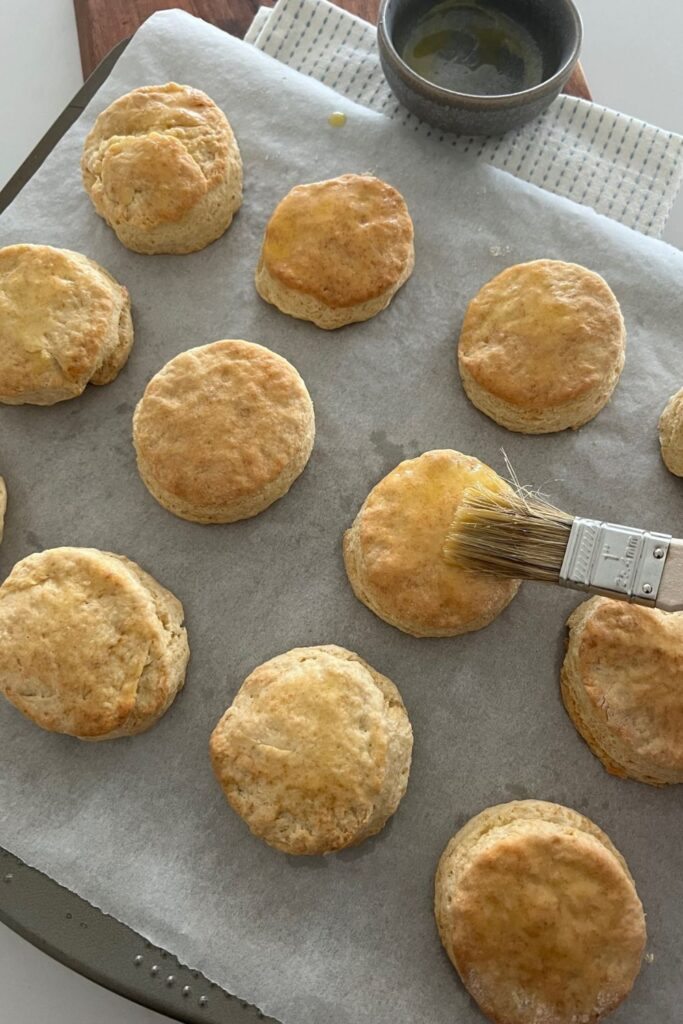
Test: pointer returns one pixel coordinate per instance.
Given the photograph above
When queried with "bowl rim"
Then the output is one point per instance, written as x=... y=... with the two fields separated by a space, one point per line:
x=496 y=101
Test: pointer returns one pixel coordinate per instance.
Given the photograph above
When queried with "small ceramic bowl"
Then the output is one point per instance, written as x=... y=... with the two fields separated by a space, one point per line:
x=555 y=26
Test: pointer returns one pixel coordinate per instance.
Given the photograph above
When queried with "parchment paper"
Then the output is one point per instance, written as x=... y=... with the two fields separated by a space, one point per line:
x=139 y=826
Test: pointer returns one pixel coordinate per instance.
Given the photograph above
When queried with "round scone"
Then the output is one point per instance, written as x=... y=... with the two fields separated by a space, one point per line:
x=314 y=752
x=222 y=431
x=163 y=169
x=539 y=915
x=622 y=686
x=90 y=644
x=542 y=347
x=394 y=549
x=335 y=252
x=671 y=434
x=64 y=323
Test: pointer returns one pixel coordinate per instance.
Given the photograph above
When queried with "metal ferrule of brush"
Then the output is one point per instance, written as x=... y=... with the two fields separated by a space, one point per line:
x=615 y=560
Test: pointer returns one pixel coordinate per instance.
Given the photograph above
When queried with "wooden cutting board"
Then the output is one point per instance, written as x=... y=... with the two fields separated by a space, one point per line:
x=104 y=23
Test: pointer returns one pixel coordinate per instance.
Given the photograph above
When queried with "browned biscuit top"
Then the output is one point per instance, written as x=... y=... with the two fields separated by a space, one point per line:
x=59 y=311
x=78 y=634
x=343 y=241
x=153 y=153
x=220 y=422
x=542 y=334
x=540 y=916
x=628 y=661
x=399 y=535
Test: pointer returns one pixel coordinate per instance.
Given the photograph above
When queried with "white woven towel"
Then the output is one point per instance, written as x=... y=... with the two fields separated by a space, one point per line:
x=622 y=167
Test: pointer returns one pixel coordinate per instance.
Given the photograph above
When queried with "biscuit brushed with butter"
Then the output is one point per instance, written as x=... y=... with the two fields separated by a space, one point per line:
x=394 y=549
x=539 y=914
x=64 y=323
x=542 y=347
x=622 y=686
x=314 y=752
x=91 y=645
x=163 y=169
x=222 y=431
x=335 y=252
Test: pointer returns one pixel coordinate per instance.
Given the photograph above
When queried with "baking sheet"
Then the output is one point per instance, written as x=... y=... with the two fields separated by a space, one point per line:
x=139 y=826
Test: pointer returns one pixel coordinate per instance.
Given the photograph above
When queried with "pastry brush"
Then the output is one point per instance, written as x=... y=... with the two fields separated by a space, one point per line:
x=519 y=535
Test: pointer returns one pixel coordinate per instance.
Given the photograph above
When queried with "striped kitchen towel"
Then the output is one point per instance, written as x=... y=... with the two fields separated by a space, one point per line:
x=622 y=167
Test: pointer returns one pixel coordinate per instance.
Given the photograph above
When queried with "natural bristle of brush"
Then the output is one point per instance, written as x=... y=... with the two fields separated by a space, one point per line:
x=508 y=533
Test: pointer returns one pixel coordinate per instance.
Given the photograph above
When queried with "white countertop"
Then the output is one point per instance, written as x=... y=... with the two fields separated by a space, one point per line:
x=632 y=64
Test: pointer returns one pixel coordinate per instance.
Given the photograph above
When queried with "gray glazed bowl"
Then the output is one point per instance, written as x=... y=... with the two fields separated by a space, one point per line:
x=556 y=27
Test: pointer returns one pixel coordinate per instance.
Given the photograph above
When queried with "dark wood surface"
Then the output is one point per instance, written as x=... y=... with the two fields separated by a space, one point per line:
x=104 y=23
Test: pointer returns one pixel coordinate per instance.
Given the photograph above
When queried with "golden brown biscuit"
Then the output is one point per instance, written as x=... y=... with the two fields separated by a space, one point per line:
x=671 y=434
x=3 y=506
x=542 y=347
x=394 y=549
x=222 y=431
x=314 y=752
x=539 y=915
x=90 y=644
x=163 y=169
x=335 y=252
x=64 y=323
x=622 y=686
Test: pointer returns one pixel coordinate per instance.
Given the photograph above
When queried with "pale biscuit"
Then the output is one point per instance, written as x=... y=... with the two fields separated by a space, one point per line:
x=394 y=549
x=64 y=323
x=622 y=686
x=335 y=252
x=539 y=915
x=90 y=644
x=163 y=169
x=222 y=431
x=3 y=506
x=315 y=750
x=671 y=434
x=542 y=347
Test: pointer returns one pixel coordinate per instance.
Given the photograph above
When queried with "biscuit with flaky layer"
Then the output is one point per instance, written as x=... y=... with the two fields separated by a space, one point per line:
x=542 y=347
x=163 y=169
x=222 y=431
x=335 y=252
x=671 y=434
x=64 y=323
x=539 y=915
x=394 y=549
x=315 y=750
x=622 y=686
x=90 y=644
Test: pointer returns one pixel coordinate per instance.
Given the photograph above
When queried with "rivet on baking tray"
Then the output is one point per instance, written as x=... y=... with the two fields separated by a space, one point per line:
x=138 y=960
x=203 y=1001
x=170 y=980
x=154 y=971
x=186 y=990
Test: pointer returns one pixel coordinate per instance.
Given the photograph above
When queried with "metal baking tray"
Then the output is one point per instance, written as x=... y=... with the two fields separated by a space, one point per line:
x=53 y=918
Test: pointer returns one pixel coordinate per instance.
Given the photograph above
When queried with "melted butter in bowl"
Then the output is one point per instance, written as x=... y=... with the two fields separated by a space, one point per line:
x=478 y=67
x=473 y=48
